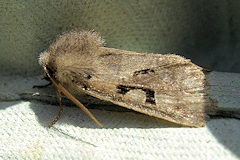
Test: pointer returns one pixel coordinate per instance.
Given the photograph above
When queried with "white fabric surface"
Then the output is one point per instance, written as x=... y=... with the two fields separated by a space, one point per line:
x=24 y=132
x=25 y=135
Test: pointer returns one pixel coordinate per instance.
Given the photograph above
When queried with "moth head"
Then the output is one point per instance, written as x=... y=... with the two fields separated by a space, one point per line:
x=45 y=62
x=44 y=59
x=70 y=53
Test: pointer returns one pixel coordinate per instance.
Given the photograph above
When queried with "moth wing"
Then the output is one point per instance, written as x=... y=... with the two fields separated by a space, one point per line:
x=164 y=86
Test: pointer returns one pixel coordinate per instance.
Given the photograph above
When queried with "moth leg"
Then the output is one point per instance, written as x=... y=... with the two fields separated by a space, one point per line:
x=79 y=104
x=59 y=97
x=42 y=86
x=71 y=97
x=44 y=77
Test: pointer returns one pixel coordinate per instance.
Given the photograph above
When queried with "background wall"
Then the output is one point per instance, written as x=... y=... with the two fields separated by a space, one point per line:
x=208 y=32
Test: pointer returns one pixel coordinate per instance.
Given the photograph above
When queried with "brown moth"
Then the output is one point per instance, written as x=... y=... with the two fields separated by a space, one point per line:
x=168 y=86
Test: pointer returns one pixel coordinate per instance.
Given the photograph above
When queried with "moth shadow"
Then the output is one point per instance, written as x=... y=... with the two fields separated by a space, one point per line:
x=110 y=118
x=75 y=119
x=226 y=131
x=6 y=104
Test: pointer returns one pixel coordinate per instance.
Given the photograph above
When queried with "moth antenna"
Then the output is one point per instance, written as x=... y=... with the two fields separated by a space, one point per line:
x=72 y=98
x=59 y=96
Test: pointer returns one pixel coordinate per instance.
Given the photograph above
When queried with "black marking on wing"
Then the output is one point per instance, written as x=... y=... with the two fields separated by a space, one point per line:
x=123 y=89
x=150 y=94
x=144 y=71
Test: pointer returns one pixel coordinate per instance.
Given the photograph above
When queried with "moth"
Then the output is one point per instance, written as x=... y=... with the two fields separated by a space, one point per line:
x=165 y=86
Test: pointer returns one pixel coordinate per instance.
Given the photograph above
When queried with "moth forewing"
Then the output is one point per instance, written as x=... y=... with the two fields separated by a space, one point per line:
x=169 y=91
x=164 y=86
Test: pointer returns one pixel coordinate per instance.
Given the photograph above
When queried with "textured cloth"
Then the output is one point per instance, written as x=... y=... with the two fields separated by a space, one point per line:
x=26 y=112
x=24 y=135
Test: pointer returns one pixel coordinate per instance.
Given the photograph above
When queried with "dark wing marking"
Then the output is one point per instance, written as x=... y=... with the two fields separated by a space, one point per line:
x=164 y=86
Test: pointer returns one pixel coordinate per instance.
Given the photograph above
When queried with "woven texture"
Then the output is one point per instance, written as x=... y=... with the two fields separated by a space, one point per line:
x=24 y=135
x=25 y=113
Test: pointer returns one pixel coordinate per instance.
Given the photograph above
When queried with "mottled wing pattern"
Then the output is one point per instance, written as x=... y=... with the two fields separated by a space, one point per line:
x=164 y=86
